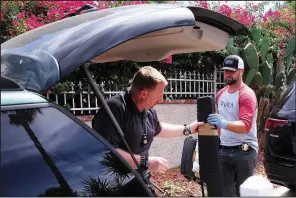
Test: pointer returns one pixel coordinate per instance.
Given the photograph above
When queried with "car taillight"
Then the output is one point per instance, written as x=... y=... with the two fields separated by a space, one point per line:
x=274 y=123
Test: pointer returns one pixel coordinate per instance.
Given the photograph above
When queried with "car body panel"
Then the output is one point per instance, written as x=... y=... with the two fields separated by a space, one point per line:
x=282 y=175
x=73 y=41
x=280 y=141
x=20 y=97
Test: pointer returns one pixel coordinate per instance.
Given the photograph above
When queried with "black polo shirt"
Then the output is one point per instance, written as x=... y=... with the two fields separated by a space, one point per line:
x=132 y=122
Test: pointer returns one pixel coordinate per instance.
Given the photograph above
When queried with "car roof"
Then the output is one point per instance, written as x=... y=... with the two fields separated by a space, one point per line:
x=12 y=97
x=40 y=58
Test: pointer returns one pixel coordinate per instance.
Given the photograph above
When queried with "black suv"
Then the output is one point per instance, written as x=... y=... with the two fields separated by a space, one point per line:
x=280 y=141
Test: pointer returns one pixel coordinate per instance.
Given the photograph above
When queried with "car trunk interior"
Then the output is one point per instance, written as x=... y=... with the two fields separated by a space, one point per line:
x=158 y=45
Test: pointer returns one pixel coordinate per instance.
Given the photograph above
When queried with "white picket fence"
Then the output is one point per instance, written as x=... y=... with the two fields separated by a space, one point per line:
x=181 y=86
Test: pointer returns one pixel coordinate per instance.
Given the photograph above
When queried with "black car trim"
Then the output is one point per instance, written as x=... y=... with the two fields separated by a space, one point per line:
x=9 y=84
x=86 y=127
x=275 y=173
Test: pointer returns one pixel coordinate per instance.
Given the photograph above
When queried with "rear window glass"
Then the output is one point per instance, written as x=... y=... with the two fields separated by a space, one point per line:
x=286 y=108
x=45 y=153
x=288 y=100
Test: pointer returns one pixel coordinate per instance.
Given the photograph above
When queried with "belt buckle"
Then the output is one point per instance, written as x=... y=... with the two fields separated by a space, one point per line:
x=245 y=147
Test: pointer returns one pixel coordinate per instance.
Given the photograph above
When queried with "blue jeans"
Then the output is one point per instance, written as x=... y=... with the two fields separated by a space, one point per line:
x=236 y=165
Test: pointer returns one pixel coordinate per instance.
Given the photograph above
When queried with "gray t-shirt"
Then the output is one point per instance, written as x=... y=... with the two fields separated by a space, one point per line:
x=240 y=105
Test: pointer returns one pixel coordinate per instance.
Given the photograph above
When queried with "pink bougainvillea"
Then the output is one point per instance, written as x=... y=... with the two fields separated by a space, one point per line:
x=168 y=60
x=203 y=4
x=281 y=23
x=226 y=10
x=44 y=12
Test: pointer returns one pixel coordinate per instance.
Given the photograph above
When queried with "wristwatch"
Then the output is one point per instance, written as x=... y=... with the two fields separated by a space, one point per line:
x=187 y=130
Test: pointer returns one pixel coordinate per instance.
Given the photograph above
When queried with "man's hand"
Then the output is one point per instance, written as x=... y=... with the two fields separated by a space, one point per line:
x=158 y=164
x=194 y=126
x=216 y=119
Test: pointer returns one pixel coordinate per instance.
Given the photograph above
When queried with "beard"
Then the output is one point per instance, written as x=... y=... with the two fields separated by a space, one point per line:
x=230 y=81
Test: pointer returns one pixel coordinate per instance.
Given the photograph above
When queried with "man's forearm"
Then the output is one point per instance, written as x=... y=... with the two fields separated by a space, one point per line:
x=170 y=130
x=237 y=126
x=129 y=158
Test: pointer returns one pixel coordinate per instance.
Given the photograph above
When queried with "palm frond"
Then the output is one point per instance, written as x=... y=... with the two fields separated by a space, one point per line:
x=98 y=188
x=114 y=166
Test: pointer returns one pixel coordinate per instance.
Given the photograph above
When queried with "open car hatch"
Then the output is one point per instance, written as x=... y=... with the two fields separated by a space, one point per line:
x=39 y=58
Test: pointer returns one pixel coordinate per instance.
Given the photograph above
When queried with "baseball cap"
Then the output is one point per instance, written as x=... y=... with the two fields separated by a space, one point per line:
x=233 y=63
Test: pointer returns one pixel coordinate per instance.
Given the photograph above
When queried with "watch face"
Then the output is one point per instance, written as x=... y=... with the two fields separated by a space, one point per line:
x=186 y=132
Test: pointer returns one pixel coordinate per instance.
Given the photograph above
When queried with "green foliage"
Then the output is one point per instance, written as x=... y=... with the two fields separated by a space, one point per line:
x=67 y=106
x=266 y=73
x=231 y=49
x=250 y=76
x=251 y=56
x=264 y=47
x=264 y=63
x=290 y=56
x=256 y=34
x=62 y=87
x=291 y=4
x=258 y=80
x=291 y=47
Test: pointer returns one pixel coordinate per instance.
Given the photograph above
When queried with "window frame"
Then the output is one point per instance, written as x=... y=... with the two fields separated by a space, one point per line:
x=87 y=129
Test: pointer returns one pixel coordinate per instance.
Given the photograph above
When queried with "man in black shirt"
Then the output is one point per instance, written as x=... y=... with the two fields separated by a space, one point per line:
x=138 y=120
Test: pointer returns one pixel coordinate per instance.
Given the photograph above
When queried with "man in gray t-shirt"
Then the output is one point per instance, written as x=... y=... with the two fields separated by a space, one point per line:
x=236 y=120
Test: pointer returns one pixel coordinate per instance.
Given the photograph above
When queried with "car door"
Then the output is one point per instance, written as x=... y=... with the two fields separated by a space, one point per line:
x=47 y=151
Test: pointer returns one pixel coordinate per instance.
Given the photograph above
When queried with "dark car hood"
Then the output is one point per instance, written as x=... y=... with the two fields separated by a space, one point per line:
x=40 y=58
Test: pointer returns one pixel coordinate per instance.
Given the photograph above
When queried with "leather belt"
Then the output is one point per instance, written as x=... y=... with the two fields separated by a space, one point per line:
x=244 y=147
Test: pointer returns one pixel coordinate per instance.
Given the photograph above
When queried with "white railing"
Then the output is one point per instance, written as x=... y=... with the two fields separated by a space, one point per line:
x=181 y=85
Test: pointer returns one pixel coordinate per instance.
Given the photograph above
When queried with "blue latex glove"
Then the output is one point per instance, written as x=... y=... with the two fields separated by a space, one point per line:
x=216 y=119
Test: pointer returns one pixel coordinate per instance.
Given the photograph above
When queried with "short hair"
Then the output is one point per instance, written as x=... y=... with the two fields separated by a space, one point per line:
x=147 y=78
